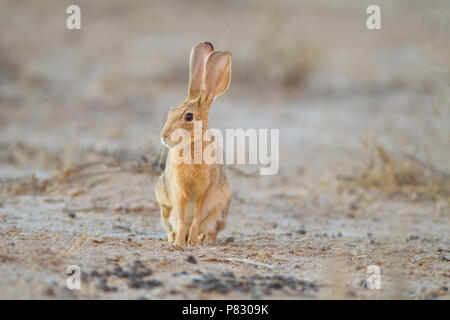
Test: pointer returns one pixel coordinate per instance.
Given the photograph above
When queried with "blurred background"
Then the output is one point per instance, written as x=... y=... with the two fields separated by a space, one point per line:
x=363 y=114
x=311 y=68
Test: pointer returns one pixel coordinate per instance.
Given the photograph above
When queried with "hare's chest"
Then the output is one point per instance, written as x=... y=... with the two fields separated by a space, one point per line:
x=190 y=182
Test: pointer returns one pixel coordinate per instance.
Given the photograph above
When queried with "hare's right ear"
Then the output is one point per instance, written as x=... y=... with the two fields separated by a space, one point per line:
x=196 y=68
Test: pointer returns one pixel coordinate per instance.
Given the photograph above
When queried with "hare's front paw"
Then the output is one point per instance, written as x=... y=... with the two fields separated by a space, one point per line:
x=203 y=238
x=171 y=237
x=192 y=241
x=180 y=239
x=193 y=235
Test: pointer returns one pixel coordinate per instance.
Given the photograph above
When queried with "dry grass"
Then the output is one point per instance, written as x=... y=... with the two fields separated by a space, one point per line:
x=67 y=165
x=28 y=186
x=392 y=172
x=24 y=154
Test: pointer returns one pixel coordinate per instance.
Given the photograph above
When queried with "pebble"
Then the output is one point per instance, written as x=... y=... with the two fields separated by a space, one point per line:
x=135 y=273
x=191 y=259
x=257 y=285
x=229 y=240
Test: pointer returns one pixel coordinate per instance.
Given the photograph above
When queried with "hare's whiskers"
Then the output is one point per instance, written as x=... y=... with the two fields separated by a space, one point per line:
x=156 y=154
x=161 y=157
x=154 y=143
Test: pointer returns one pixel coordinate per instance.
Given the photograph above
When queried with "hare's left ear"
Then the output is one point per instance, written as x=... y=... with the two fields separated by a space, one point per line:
x=217 y=75
x=196 y=68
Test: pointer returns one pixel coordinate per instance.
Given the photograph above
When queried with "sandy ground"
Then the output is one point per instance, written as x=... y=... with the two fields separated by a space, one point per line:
x=364 y=133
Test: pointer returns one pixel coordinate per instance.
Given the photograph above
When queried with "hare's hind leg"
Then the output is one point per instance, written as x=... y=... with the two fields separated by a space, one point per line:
x=213 y=223
x=216 y=207
x=221 y=222
x=165 y=206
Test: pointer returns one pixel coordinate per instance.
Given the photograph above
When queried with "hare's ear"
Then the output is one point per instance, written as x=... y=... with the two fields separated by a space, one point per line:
x=196 y=68
x=217 y=75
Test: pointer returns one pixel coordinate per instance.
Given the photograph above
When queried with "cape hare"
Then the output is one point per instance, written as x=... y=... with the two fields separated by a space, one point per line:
x=194 y=197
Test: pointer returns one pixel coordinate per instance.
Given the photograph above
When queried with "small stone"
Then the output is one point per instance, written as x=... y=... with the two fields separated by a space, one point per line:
x=228 y=274
x=274 y=285
x=103 y=285
x=49 y=292
x=229 y=240
x=191 y=259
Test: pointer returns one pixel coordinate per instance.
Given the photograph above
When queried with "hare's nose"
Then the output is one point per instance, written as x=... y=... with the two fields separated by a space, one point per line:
x=164 y=141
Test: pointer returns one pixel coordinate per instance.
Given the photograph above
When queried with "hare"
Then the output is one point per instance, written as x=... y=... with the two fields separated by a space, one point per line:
x=194 y=198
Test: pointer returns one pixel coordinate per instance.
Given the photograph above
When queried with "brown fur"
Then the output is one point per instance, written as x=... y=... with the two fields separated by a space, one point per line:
x=194 y=198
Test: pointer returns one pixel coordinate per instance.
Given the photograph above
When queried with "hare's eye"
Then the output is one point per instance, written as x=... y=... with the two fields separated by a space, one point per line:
x=189 y=116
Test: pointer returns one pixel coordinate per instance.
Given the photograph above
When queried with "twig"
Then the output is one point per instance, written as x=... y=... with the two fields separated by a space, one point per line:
x=250 y=262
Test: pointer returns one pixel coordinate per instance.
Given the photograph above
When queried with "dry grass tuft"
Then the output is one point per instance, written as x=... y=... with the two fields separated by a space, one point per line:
x=28 y=186
x=387 y=171
x=67 y=165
